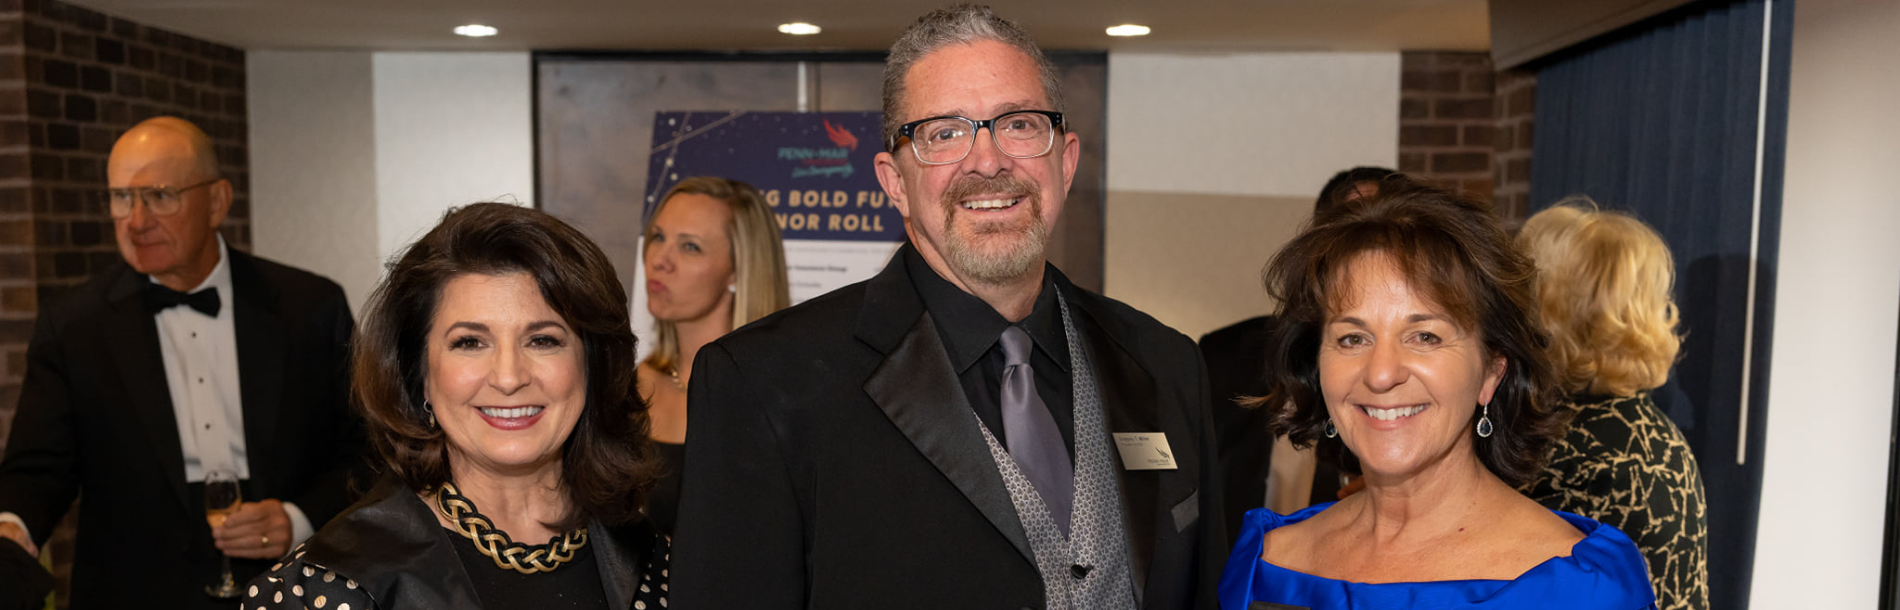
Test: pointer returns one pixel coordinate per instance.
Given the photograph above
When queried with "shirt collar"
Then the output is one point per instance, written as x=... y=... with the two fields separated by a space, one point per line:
x=220 y=277
x=970 y=326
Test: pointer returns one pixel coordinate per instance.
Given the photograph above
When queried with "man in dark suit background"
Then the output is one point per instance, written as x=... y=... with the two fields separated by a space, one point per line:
x=1236 y=369
x=189 y=358
x=968 y=429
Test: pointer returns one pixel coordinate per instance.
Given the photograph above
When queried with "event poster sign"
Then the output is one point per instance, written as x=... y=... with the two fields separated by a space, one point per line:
x=815 y=169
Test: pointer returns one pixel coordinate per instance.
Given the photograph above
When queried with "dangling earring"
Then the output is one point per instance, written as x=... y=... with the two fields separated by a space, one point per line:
x=1330 y=430
x=431 y=411
x=1484 y=423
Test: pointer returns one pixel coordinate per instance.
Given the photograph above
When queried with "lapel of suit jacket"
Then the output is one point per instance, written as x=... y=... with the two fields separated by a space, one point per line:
x=618 y=560
x=141 y=367
x=1129 y=398
x=260 y=357
x=918 y=390
x=391 y=544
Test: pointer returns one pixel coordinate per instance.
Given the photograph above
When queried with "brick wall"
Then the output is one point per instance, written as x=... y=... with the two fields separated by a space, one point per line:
x=1466 y=127
x=72 y=80
x=1517 y=105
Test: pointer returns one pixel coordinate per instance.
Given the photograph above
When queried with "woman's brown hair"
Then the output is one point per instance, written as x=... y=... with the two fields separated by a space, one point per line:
x=1452 y=251
x=607 y=463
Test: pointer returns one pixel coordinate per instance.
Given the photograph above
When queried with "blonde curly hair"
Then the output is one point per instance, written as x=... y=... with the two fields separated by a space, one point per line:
x=1604 y=291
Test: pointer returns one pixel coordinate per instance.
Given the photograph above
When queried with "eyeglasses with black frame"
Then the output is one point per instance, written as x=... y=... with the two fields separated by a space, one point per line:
x=1023 y=134
x=159 y=200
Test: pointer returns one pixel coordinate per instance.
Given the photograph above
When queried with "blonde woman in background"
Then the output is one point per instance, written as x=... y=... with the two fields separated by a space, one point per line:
x=1603 y=289
x=714 y=262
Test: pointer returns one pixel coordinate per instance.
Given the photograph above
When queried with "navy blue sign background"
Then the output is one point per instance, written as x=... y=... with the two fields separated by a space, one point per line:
x=815 y=168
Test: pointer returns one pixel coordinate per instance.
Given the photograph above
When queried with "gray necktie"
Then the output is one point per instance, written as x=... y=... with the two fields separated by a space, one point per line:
x=1034 y=442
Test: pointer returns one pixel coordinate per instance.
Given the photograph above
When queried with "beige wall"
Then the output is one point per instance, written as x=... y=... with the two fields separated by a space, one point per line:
x=1197 y=258
x=1214 y=162
x=1831 y=391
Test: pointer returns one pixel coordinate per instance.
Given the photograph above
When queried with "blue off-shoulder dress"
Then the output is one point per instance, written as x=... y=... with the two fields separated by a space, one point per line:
x=1604 y=571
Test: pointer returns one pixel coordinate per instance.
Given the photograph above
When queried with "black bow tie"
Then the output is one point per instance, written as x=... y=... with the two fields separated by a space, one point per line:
x=159 y=298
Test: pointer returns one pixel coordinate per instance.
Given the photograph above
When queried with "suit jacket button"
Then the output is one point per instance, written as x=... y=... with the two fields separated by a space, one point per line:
x=1079 y=571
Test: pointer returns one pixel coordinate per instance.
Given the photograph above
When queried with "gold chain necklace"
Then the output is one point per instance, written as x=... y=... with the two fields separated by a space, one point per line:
x=508 y=554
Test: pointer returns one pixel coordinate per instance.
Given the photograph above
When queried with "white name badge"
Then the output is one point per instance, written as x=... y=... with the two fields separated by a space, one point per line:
x=1145 y=451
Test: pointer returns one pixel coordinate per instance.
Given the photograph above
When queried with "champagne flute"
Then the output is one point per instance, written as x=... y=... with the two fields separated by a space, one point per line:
x=221 y=499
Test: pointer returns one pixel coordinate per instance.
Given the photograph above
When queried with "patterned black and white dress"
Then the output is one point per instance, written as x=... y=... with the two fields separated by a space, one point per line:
x=1624 y=463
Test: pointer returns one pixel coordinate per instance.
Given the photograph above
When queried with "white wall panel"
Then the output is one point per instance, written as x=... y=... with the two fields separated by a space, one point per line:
x=1831 y=394
x=451 y=129
x=313 y=164
x=1272 y=124
x=1215 y=160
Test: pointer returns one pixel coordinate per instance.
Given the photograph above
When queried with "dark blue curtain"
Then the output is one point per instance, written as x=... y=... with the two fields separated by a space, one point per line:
x=1663 y=119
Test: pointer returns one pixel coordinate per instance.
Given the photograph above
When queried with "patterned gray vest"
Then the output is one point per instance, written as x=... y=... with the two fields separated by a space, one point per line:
x=1089 y=569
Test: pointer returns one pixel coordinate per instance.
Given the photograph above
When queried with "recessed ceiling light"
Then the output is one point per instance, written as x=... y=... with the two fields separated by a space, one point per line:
x=1128 y=29
x=476 y=30
x=799 y=29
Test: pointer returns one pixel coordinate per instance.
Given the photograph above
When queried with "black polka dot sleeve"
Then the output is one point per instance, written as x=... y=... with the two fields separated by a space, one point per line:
x=295 y=585
x=654 y=576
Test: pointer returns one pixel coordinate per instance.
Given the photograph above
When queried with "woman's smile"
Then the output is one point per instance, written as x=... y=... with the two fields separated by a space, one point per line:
x=1393 y=413
x=512 y=418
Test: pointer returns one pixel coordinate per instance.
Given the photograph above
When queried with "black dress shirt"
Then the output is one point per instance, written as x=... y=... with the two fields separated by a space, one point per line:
x=970 y=329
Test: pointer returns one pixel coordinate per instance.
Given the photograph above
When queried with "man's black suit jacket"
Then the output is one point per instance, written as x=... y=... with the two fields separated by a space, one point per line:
x=95 y=417
x=832 y=461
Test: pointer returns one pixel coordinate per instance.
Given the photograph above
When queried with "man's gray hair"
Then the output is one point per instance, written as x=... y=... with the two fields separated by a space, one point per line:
x=960 y=24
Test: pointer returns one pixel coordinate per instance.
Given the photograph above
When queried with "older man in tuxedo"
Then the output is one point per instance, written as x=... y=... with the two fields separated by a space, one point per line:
x=188 y=358
x=968 y=429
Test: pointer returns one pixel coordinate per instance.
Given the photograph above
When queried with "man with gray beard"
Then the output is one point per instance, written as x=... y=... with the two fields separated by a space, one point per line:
x=967 y=429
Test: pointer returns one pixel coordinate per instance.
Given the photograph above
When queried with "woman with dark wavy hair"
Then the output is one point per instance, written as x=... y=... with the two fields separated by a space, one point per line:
x=1408 y=333
x=495 y=369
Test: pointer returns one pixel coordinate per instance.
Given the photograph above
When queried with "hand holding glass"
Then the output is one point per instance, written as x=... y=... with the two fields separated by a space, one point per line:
x=221 y=499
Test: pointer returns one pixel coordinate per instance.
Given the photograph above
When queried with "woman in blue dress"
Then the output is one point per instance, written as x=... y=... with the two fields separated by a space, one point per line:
x=1409 y=337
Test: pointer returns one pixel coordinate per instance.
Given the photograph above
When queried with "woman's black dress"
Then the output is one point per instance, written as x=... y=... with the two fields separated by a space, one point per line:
x=389 y=551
